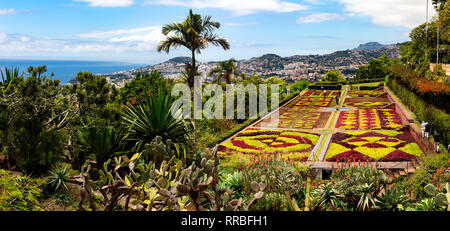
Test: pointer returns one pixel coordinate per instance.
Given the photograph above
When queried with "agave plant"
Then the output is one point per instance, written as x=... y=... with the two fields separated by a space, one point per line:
x=152 y=118
x=428 y=204
x=58 y=177
x=328 y=196
x=392 y=200
x=366 y=200
x=103 y=141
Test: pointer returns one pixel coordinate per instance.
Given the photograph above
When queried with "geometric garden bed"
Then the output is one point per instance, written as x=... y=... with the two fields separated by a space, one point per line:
x=372 y=146
x=369 y=119
x=292 y=145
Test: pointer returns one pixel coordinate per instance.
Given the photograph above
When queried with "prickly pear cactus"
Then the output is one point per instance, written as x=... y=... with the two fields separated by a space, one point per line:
x=158 y=151
x=439 y=197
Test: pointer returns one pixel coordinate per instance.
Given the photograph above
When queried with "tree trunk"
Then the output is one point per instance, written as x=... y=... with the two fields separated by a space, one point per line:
x=192 y=81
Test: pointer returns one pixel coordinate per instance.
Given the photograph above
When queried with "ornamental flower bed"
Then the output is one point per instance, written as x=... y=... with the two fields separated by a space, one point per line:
x=369 y=119
x=312 y=102
x=432 y=87
x=318 y=93
x=364 y=93
x=312 y=120
x=379 y=102
x=372 y=146
x=293 y=145
x=301 y=119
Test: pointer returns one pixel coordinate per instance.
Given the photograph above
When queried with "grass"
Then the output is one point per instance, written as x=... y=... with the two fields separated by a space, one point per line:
x=322 y=144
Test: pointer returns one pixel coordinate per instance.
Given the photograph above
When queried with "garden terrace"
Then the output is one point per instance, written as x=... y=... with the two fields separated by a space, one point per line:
x=373 y=129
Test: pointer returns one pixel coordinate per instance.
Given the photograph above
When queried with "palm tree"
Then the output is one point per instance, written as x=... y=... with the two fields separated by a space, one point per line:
x=225 y=70
x=8 y=76
x=195 y=33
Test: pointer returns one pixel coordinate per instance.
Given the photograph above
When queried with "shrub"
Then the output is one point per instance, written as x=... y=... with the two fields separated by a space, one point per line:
x=359 y=185
x=424 y=173
x=437 y=119
x=19 y=193
x=282 y=179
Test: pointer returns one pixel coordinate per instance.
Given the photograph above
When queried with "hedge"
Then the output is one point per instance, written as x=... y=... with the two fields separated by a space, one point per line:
x=365 y=80
x=437 y=119
x=325 y=87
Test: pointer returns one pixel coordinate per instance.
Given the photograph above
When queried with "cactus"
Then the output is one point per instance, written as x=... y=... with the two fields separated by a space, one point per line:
x=439 y=197
x=161 y=184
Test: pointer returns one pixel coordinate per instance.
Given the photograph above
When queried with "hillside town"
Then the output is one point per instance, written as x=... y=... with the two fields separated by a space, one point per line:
x=290 y=69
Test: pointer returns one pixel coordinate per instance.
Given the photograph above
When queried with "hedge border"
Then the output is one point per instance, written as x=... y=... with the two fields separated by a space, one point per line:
x=438 y=119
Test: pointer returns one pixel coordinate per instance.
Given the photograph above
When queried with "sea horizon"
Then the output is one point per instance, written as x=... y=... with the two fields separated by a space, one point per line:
x=66 y=70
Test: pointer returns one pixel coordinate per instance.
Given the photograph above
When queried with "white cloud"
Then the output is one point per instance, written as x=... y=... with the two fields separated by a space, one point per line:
x=237 y=7
x=406 y=13
x=7 y=11
x=108 y=3
x=320 y=17
x=151 y=33
x=118 y=41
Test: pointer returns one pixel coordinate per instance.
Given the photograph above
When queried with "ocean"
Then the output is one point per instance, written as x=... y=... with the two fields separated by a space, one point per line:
x=67 y=70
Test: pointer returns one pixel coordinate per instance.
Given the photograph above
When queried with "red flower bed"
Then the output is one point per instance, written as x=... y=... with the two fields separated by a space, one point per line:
x=350 y=155
x=398 y=155
x=374 y=145
x=432 y=87
x=301 y=140
x=242 y=144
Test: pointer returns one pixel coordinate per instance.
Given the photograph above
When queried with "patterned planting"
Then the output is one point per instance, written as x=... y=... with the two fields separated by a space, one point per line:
x=364 y=93
x=294 y=145
x=312 y=93
x=372 y=146
x=366 y=102
x=369 y=119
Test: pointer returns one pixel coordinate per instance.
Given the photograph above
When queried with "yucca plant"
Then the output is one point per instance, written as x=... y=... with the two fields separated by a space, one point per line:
x=152 y=118
x=103 y=141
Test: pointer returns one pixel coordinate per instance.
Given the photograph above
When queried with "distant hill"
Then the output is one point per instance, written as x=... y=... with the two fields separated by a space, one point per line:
x=370 y=46
x=179 y=59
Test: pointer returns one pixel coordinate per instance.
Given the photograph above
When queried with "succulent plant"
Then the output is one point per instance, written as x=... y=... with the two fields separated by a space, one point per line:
x=440 y=198
x=161 y=184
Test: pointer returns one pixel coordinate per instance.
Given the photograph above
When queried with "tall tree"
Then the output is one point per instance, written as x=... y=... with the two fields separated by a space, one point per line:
x=195 y=33
x=332 y=76
x=225 y=70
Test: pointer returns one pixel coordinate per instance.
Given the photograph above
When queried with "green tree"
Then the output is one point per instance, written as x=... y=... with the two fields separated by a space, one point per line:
x=90 y=98
x=148 y=83
x=225 y=71
x=195 y=33
x=33 y=107
x=377 y=68
x=332 y=76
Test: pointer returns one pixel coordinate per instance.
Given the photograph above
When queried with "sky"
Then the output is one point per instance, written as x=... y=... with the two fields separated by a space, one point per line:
x=130 y=30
